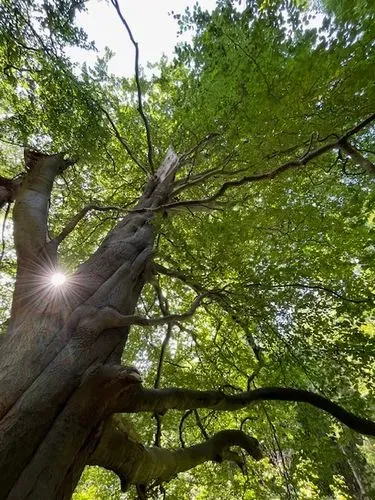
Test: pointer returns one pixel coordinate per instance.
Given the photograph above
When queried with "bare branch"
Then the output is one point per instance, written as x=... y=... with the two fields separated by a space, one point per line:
x=77 y=218
x=162 y=400
x=139 y=90
x=291 y=164
x=122 y=140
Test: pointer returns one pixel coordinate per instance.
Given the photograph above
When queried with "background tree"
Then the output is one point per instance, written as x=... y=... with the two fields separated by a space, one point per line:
x=223 y=210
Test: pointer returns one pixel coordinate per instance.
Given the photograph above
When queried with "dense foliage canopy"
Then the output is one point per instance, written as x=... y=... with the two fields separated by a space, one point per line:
x=271 y=222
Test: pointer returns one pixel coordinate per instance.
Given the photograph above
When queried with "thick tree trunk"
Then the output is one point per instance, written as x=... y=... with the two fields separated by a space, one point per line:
x=54 y=382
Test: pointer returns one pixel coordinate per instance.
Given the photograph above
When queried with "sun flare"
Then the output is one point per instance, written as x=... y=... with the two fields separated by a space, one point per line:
x=58 y=279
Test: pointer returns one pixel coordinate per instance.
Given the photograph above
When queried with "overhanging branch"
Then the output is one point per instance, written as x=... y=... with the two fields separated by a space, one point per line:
x=289 y=165
x=161 y=400
x=137 y=464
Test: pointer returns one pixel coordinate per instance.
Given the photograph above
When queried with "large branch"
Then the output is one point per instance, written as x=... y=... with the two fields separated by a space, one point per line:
x=357 y=157
x=31 y=207
x=35 y=257
x=289 y=165
x=137 y=464
x=89 y=321
x=161 y=400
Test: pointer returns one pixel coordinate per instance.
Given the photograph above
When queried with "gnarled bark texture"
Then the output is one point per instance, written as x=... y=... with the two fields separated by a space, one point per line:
x=61 y=377
x=58 y=348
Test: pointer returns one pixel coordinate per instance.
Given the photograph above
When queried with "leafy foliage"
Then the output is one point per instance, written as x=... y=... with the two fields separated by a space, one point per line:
x=290 y=260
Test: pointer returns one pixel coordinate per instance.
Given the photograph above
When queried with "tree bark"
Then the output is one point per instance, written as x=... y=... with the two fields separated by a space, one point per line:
x=140 y=465
x=357 y=157
x=161 y=400
x=59 y=382
x=55 y=339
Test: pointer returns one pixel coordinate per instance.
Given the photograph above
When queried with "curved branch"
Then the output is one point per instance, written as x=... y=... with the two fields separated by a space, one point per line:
x=94 y=320
x=32 y=202
x=121 y=139
x=311 y=287
x=78 y=217
x=137 y=464
x=357 y=157
x=162 y=400
x=289 y=165
x=139 y=91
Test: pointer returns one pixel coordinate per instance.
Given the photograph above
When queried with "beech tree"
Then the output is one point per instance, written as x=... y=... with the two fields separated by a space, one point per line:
x=214 y=223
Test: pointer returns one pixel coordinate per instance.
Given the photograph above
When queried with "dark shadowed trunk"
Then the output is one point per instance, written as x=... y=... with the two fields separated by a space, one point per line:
x=61 y=378
x=59 y=348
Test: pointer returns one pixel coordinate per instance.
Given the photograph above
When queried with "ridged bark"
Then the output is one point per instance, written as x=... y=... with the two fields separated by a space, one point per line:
x=53 y=343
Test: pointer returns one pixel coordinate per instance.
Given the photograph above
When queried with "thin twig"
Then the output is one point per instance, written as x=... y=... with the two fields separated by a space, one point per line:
x=198 y=146
x=150 y=154
x=200 y=425
x=121 y=139
x=164 y=307
x=310 y=287
x=181 y=424
x=284 y=472
x=165 y=311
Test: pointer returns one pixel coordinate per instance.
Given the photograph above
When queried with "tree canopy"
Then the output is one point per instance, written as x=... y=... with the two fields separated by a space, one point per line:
x=262 y=272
